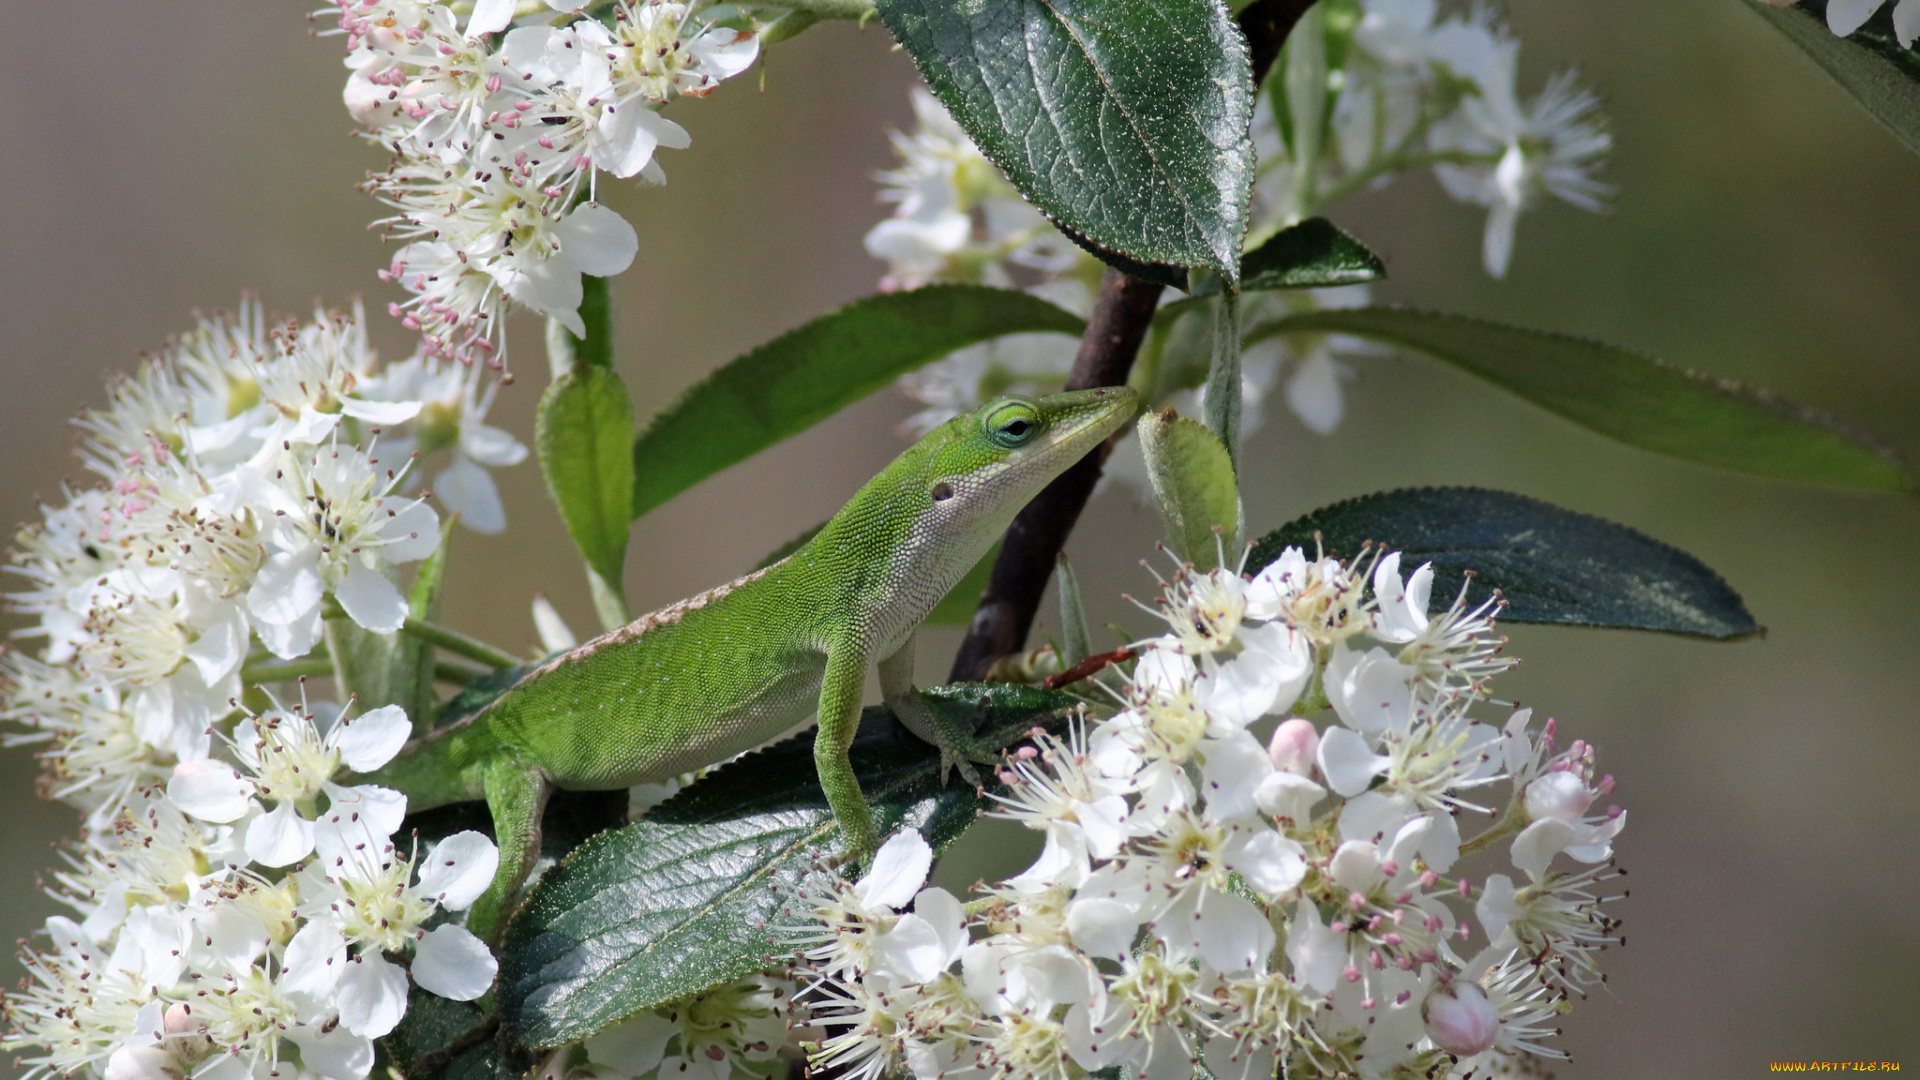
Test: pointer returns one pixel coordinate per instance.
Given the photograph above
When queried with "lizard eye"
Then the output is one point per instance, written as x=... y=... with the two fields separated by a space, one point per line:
x=942 y=491
x=1012 y=425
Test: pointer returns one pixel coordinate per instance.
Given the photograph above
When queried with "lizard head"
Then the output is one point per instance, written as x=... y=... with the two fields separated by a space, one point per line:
x=981 y=467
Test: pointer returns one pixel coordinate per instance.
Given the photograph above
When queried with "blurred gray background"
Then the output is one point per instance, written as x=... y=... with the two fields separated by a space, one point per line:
x=163 y=157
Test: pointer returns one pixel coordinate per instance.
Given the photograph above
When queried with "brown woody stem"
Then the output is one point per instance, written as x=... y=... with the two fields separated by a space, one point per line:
x=1121 y=318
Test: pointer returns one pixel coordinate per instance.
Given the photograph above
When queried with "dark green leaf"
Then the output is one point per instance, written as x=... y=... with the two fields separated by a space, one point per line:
x=1870 y=64
x=1550 y=565
x=435 y=1032
x=1310 y=255
x=683 y=899
x=584 y=436
x=1636 y=399
x=479 y=694
x=806 y=375
x=1125 y=121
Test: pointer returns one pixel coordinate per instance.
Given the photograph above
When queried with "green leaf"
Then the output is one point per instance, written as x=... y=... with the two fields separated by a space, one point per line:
x=1870 y=64
x=584 y=436
x=1550 y=565
x=1076 y=641
x=412 y=678
x=686 y=897
x=1636 y=399
x=1193 y=482
x=1125 y=121
x=806 y=375
x=1313 y=254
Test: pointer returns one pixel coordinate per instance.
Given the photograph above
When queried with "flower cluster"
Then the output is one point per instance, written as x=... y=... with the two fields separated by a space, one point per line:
x=1208 y=895
x=235 y=902
x=497 y=141
x=1415 y=91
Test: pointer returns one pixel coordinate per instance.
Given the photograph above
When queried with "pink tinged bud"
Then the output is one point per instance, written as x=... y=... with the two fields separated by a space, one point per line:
x=180 y=1020
x=1294 y=744
x=1460 y=1019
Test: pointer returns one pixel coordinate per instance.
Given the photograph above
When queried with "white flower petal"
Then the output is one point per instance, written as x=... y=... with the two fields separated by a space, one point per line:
x=448 y=960
x=1313 y=393
x=1234 y=768
x=899 y=869
x=1102 y=927
x=280 y=837
x=597 y=241
x=489 y=17
x=370 y=741
x=373 y=996
x=1233 y=934
x=911 y=951
x=458 y=869
x=1317 y=954
x=635 y=1046
x=380 y=413
x=1846 y=16
x=1496 y=907
x=380 y=810
x=210 y=790
x=288 y=587
x=314 y=961
x=467 y=489
x=1538 y=843
x=1270 y=863
x=1347 y=762
x=221 y=646
x=337 y=1054
x=413 y=532
x=1288 y=795
x=295 y=639
x=371 y=600
x=490 y=445
x=947 y=917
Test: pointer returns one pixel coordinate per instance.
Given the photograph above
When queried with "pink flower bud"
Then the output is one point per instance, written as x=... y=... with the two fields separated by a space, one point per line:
x=1295 y=742
x=1460 y=1019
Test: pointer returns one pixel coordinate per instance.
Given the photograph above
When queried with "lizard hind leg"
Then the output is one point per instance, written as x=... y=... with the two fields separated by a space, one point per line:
x=959 y=747
x=516 y=795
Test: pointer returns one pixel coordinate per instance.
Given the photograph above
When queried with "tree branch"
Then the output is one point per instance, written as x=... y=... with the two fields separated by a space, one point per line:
x=1121 y=318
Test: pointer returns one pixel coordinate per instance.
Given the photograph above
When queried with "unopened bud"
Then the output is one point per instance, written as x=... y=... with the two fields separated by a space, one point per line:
x=1460 y=1019
x=1294 y=744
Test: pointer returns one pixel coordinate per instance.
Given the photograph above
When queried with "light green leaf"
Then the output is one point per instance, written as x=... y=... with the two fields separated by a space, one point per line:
x=806 y=375
x=1193 y=482
x=584 y=436
x=1313 y=254
x=1636 y=399
x=1548 y=564
x=1870 y=64
x=1076 y=641
x=1125 y=121
x=688 y=897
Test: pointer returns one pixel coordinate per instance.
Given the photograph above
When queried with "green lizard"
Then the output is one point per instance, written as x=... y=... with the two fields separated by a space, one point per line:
x=695 y=683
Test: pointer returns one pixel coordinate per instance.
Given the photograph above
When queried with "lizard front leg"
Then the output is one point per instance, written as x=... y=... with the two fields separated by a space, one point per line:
x=516 y=795
x=840 y=690
x=959 y=748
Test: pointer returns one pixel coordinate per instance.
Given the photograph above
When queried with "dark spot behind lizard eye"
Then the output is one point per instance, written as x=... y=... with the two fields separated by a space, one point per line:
x=942 y=491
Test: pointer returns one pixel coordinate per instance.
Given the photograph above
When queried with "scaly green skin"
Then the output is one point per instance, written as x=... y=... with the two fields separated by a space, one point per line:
x=702 y=680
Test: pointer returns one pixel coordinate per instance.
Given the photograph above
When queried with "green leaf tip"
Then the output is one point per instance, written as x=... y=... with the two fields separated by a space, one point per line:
x=1636 y=399
x=1549 y=565
x=1313 y=254
x=806 y=375
x=1125 y=121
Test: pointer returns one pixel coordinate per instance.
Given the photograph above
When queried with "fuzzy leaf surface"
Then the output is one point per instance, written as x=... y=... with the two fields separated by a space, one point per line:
x=1125 y=121
x=1194 y=484
x=1636 y=399
x=584 y=436
x=1869 y=64
x=1313 y=254
x=1551 y=565
x=806 y=375
x=686 y=897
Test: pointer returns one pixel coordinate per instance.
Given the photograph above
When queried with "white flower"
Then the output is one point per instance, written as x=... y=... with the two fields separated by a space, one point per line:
x=1846 y=16
x=455 y=405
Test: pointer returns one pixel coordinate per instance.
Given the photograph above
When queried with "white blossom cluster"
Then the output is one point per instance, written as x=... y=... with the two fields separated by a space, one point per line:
x=1415 y=91
x=498 y=140
x=236 y=909
x=736 y=1029
x=1205 y=895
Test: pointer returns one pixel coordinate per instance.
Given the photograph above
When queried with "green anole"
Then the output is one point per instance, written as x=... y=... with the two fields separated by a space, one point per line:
x=693 y=684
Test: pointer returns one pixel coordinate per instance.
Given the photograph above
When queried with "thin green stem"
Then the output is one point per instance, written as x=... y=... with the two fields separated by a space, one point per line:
x=285 y=671
x=1512 y=821
x=459 y=674
x=457 y=643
